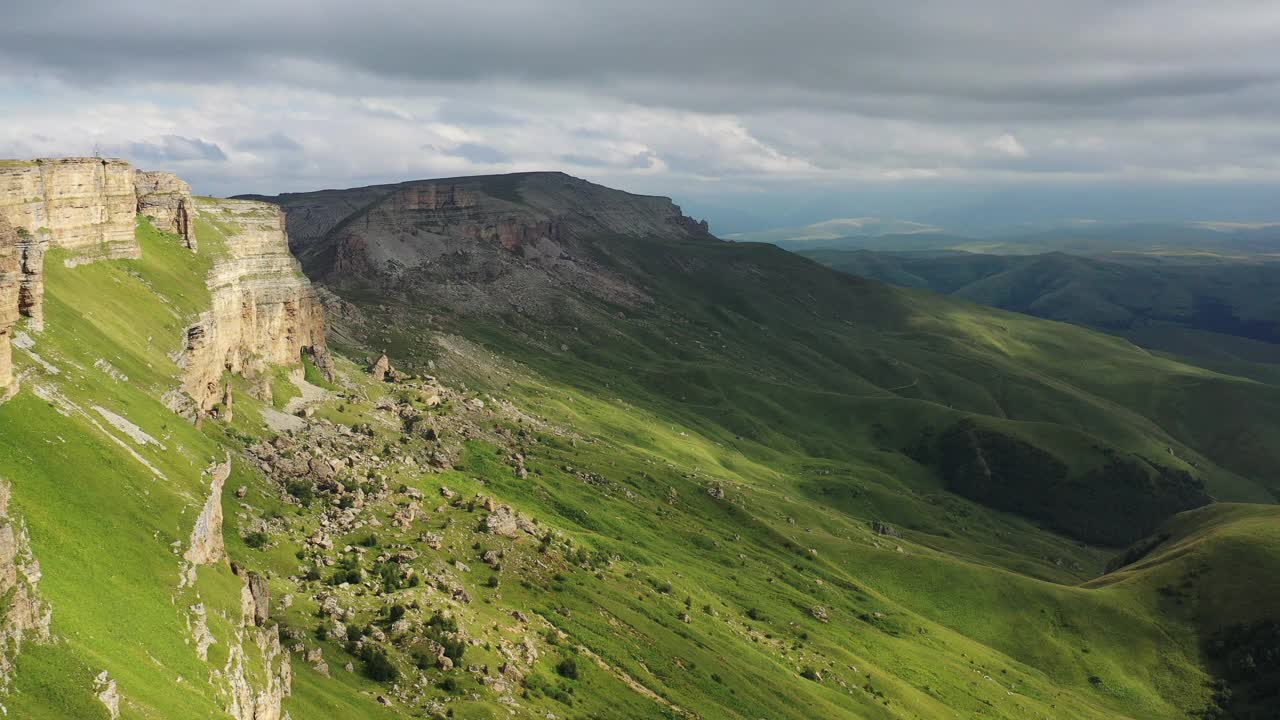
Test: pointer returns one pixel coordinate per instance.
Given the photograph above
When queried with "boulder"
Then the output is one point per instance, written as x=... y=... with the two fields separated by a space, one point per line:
x=382 y=371
x=502 y=521
x=885 y=529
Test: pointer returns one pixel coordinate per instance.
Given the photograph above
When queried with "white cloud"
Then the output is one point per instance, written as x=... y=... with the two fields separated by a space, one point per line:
x=1008 y=145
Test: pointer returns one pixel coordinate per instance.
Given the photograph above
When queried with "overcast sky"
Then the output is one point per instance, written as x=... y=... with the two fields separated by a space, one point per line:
x=703 y=98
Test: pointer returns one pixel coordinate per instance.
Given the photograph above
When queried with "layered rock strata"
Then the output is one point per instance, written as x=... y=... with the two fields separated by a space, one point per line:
x=265 y=311
x=166 y=199
x=10 y=282
x=88 y=207
x=85 y=205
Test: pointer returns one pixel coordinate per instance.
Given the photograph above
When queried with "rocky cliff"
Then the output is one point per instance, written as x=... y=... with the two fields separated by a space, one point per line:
x=167 y=200
x=487 y=244
x=88 y=207
x=10 y=281
x=264 y=311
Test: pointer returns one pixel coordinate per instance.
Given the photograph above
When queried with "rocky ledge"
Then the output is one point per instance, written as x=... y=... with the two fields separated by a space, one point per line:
x=86 y=206
x=265 y=312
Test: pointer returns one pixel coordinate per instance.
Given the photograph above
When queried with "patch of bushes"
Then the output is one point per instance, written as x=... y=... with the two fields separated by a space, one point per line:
x=567 y=668
x=301 y=490
x=444 y=631
x=1247 y=660
x=377 y=666
x=1117 y=503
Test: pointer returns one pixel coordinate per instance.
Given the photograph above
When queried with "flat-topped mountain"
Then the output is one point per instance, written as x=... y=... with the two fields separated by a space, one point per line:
x=598 y=284
x=478 y=244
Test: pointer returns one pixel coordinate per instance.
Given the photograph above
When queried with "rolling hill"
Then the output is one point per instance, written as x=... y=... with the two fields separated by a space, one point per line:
x=610 y=466
x=1217 y=310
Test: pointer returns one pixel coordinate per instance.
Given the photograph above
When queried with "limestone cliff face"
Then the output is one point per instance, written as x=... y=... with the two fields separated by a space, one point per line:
x=265 y=311
x=88 y=207
x=167 y=200
x=10 y=281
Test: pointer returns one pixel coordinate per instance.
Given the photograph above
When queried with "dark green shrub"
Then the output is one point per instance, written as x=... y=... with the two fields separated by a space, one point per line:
x=567 y=668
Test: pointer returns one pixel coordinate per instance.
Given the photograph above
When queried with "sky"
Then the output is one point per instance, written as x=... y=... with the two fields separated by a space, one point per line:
x=749 y=111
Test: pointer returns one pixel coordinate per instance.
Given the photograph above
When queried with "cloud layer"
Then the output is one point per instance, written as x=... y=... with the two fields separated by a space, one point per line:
x=656 y=96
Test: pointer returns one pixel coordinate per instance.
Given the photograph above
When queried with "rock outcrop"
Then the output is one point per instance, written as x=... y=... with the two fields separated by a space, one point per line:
x=27 y=616
x=258 y=599
x=265 y=311
x=104 y=688
x=206 y=537
x=247 y=699
x=482 y=245
x=10 y=281
x=166 y=199
x=85 y=205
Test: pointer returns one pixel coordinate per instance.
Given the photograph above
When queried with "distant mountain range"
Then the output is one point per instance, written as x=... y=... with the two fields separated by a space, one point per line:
x=835 y=230
x=1201 y=238
x=1202 y=305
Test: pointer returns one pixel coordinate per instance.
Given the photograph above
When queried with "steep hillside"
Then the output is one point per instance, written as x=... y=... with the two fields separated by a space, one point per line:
x=732 y=398
x=1217 y=570
x=116 y=597
x=754 y=340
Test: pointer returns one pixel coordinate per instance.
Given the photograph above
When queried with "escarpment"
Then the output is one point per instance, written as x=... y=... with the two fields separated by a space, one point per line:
x=264 y=311
x=166 y=199
x=85 y=206
x=10 y=281
x=481 y=245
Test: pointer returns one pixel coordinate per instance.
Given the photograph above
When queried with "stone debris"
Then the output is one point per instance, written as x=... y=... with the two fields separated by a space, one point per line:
x=104 y=688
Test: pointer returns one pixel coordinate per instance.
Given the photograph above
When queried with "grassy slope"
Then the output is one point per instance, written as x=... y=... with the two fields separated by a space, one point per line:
x=103 y=525
x=1212 y=310
x=737 y=378
x=971 y=611
x=736 y=344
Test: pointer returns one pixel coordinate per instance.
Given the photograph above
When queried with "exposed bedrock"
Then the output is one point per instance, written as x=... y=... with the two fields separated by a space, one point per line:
x=166 y=199
x=264 y=312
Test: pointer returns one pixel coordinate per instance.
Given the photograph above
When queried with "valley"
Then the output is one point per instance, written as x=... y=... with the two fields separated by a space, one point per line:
x=527 y=446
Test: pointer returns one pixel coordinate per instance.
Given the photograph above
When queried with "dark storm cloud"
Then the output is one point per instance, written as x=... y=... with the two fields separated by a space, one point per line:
x=657 y=96
x=737 y=56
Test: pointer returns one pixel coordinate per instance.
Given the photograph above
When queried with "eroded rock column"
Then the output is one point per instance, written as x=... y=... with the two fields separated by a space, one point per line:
x=10 y=281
